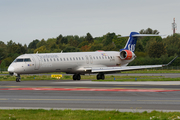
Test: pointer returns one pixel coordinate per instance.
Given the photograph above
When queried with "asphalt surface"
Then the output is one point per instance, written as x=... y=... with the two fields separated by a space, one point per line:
x=85 y=95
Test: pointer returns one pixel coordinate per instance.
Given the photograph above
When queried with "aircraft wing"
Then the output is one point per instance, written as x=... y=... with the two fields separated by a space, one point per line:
x=127 y=68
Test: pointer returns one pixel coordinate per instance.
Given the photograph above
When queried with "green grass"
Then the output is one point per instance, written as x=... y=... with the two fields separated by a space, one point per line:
x=22 y=114
x=89 y=77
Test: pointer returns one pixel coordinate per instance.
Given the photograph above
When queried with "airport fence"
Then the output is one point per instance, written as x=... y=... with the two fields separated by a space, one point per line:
x=3 y=69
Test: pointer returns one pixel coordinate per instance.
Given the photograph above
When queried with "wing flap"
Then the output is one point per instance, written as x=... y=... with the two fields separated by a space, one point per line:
x=111 y=69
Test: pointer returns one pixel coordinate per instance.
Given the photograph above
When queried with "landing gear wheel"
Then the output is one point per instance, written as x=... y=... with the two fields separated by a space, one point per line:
x=18 y=80
x=100 y=76
x=76 y=77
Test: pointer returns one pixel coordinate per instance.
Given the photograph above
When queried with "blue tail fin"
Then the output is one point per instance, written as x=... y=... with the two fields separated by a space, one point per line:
x=131 y=43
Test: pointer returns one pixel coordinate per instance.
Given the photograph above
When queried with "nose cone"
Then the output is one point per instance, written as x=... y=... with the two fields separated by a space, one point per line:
x=10 y=69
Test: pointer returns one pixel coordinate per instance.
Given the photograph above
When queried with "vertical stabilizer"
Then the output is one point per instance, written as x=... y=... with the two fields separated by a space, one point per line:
x=131 y=43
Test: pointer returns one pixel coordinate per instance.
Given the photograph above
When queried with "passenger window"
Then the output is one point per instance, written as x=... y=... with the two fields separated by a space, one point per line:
x=105 y=57
x=82 y=58
x=61 y=59
x=44 y=60
x=64 y=59
x=76 y=58
x=57 y=59
x=79 y=58
x=102 y=57
x=50 y=59
x=73 y=58
x=54 y=59
x=99 y=57
x=47 y=60
x=96 y=57
x=67 y=59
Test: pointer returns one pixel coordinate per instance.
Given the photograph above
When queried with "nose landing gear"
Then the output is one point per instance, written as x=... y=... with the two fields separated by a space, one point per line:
x=18 y=78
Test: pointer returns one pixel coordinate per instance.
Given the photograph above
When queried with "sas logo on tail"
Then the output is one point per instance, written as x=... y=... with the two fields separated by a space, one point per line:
x=131 y=47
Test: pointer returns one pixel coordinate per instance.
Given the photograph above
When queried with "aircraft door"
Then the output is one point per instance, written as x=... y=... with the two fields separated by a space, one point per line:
x=37 y=62
x=87 y=59
x=91 y=60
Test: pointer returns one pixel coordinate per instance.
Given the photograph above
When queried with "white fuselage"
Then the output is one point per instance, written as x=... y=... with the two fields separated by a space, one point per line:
x=77 y=62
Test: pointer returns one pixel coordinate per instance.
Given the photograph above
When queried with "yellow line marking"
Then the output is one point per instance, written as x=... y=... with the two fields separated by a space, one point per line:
x=3 y=99
x=74 y=99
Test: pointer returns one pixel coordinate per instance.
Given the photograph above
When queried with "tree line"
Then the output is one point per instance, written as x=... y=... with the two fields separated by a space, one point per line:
x=149 y=50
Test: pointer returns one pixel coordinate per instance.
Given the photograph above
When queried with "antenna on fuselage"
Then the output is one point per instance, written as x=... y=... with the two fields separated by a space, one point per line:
x=61 y=51
x=37 y=52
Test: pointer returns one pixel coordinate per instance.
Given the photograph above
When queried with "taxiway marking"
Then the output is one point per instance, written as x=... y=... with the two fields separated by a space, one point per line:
x=92 y=89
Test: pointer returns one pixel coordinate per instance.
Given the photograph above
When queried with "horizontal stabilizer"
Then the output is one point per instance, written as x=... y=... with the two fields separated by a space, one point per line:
x=141 y=35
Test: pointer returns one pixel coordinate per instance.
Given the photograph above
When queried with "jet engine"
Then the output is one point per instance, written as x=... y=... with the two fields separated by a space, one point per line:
x=126 y=54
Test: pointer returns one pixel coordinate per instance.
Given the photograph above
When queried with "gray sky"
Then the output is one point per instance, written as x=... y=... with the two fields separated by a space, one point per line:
x=26 y=20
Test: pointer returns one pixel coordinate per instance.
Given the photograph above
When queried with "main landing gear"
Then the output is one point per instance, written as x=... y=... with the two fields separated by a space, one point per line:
x=76 y=77
x=100 y=76
x=18 y=78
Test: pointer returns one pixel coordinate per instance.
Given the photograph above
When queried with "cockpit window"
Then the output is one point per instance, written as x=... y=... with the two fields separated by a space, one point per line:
x=27 y=60
x=19 y=60
x=22 y=60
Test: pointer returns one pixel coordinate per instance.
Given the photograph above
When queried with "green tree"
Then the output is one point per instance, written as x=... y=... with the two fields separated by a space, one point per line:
x=64 y=40
x=2 y=65
x=95 y=47
x=119 y=42
x=32 y=45
x=41 y=43
x=41 y=49
x=89 y=38
x=156 y=49
x=108 y=38
x=149 y=31
x=71 y=49
x=8 y=61
x=58 y=39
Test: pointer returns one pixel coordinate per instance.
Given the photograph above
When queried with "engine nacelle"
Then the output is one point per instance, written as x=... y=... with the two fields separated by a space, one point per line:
x=126 y=54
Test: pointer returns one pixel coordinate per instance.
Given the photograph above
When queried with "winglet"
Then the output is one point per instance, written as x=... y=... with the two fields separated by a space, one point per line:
x=170 y=62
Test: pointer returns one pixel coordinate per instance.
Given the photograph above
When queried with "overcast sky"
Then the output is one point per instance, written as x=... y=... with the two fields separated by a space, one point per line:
x=26 y=20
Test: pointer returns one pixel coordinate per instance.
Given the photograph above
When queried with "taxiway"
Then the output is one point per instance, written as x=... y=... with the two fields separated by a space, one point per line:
x=68 y=94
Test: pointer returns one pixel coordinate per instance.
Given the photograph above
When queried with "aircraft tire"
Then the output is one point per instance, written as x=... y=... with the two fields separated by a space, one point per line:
x=74 y=77
x=102 y=76
x=98 y=76
x=18 y=80
x=78 y=77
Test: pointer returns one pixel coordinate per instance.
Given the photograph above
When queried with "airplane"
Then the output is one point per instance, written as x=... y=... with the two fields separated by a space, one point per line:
x=80 y=63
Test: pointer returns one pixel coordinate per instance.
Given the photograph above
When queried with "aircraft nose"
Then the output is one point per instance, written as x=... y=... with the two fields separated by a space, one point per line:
x=10 y=69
